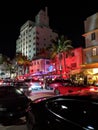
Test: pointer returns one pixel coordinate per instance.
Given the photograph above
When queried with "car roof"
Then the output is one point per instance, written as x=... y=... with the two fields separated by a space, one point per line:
x=90 y=97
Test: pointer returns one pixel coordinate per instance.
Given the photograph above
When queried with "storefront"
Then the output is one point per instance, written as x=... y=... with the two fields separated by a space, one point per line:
x=91 y=71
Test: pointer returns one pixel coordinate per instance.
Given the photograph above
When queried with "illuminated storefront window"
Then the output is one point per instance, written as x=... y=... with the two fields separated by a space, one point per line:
x=94 y=52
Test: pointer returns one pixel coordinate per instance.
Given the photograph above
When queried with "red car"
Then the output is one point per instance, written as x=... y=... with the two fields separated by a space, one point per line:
x=57 y=83
x=68 y=88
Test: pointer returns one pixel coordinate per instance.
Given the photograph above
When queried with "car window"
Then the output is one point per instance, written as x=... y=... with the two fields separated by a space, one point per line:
x=36 y=84
x=74 y=110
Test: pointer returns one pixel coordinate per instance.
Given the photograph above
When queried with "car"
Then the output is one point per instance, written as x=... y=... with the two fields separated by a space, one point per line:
x=61 y=112
x=1 y=82
x=34 y=84
x=67 y=88
x=22 y=86
x=70 y=87
x=57 y=83
x=13 y=104
x=85 y=92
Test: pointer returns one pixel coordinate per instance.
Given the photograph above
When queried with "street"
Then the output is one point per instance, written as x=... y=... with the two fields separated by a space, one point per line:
x=14 y=127
x=41 y=93
x=34 y=95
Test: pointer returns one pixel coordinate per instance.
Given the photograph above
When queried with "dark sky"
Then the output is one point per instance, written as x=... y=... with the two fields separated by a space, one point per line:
x=66 y=17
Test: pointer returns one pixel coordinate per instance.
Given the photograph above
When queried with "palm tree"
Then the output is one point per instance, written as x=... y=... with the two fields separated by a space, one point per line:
x=59 y=47
x=66 y=46
x=22 y=62
x=26 y=64
x=5 y=62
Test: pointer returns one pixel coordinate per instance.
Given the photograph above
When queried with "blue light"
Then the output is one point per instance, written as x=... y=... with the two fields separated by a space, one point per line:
x=50 y=68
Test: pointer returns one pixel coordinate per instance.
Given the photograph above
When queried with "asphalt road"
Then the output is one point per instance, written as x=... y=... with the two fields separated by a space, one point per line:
x=14 y=127
x=41 y=93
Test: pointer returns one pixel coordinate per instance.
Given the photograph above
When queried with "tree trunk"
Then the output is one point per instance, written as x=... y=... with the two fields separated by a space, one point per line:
x=60 y=64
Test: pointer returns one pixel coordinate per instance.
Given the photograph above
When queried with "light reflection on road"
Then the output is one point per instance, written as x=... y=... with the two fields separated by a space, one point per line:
x=38 y=94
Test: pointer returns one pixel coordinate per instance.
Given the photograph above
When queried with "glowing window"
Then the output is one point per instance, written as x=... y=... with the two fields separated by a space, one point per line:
x=94 y=51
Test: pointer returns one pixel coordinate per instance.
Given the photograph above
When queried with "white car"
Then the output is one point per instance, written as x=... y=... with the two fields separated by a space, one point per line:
x=35 y=86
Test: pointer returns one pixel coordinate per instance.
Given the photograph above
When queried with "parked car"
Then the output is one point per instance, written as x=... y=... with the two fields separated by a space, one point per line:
x=65 y=113
x=70 y=87
x=34 y=84
x=91 y=91
x=13 y=104
x=7 y=82
x=57 y=83
x=22 y=86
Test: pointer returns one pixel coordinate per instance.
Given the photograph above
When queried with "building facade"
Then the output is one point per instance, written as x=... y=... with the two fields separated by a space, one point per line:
x=70 y=63
x=35 y=36
x=40 y=66
x=90 y=54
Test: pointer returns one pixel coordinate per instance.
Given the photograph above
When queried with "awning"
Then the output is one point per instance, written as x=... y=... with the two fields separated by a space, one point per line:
x=90 y=66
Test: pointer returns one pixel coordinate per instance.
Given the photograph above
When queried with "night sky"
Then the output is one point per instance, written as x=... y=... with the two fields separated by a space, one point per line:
x=66 y=17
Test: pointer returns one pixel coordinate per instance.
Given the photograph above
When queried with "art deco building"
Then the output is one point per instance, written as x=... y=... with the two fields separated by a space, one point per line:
x=35 y=36
x=90 y=55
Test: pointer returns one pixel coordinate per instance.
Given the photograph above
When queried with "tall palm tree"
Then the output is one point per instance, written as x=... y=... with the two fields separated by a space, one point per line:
x=22 y=62
x=66 y=46
x=26 y=64
x=59 y=47
x=5 y=62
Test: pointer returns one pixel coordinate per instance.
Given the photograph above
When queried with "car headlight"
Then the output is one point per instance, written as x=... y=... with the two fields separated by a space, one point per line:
x=30 y=88
x=3 y=109
x=21 y=89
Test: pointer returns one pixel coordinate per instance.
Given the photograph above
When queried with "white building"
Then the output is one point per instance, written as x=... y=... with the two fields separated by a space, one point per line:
x=40 y=66
x=35 y=36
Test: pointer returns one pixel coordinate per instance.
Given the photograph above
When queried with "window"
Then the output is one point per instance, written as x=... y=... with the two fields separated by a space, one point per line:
x=37 y=37
x=37 y=32
x=29 y=40
x=73 y=65
x=94 y=51
x=37 y=43
x=72 y=54
x=38 y=62
x=34 y=63
x=29 y=46
x=68 y=109
x=93 y=36
x=48 y=62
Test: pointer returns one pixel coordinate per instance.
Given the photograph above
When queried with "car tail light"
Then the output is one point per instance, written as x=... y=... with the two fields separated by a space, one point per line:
x=92 y=89
x=40 y=83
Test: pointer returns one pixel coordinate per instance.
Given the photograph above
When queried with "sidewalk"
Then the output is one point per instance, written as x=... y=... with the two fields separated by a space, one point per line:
x=13 y=127
x=20 y=124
